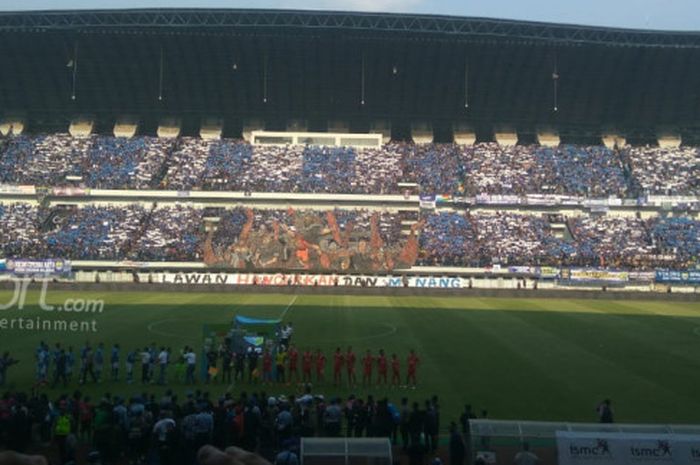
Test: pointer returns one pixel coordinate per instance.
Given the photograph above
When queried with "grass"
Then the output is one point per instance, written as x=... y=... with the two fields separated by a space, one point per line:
x=530 y=359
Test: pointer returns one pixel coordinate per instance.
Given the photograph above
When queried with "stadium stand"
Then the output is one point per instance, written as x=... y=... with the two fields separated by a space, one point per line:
x=269 y=239
x=666 y=171
x=180 y=205
x=197 y=164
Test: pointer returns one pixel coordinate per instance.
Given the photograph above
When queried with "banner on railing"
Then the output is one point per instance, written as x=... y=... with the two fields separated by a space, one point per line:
x=9 y=189
x=49 y=266
x=576 y=448
x=427 y=201
x=319 y=280
x=70 y=191
x=583 y=275
x=642 y=276
x=678 y=277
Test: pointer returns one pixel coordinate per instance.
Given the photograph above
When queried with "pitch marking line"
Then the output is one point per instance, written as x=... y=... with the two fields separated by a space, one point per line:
x=284 y=313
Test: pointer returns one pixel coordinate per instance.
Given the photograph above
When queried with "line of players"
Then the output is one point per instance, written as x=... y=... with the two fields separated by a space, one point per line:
x=289 y=369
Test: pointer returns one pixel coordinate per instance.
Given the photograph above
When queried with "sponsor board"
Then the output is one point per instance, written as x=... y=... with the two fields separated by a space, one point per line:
x=627 y=448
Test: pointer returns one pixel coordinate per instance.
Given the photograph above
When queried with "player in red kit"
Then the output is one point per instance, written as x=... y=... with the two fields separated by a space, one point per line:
x=413 y=361
x=267 y=367
x=338 y=360
x=381 y=368
x=307 y=360
x=350 y=359
x=293 y=355
x=320 y=366
x=367 y=364
x=395 y=370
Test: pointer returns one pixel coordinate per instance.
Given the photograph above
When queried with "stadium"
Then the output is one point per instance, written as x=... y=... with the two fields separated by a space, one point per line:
x=328 y=237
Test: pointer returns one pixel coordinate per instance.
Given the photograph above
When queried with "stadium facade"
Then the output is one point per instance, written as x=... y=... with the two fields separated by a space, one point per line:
x=342 y=170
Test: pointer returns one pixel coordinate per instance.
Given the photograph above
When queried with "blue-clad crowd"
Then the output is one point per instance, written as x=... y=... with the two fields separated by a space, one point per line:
x=122 y=163
x=677 y=236
x=188 y=163
x=593 y=171
x=178 y=233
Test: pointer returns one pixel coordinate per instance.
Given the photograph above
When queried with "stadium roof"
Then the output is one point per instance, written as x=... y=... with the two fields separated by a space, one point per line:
x=217 y=20
x=279 y=65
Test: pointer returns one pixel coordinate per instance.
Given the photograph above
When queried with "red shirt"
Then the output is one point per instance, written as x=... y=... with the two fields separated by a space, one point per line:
x=395 y=365
x=293 y=359
x=368 y=361
x=338 y=359
x=412 y=362
x=381 y=363
x=267 y=362
x=351 y=358
x=307 y=361
x=320 y=362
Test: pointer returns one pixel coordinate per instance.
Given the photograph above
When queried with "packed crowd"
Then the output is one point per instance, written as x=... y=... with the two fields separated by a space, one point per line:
x=678 y=237
x=345 y=240
x=92 y=232
x=611 y=241
x=237 y=166
x=566 y=170
x=93 y=161
x=171 y=234
x=120 y=163
x=436 y=168
x=445 y=169
x=664 y=171
x=210 y=165
x=19 y=236
x=487 y=238
x=169 y=430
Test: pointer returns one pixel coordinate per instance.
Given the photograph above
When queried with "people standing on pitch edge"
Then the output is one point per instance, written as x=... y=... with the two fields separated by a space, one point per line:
x=145 y=366
x=5 y=362
x=114 y=362
x=456 y=445
x=467 y=415
x=525 y=457
x=605 y=412
x=191 y=360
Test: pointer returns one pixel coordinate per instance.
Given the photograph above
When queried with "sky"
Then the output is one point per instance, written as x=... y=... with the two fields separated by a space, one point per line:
x=639 y=14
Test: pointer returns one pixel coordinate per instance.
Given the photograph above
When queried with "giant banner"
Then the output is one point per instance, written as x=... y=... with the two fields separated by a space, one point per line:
x=576 y=448
x=309 y=241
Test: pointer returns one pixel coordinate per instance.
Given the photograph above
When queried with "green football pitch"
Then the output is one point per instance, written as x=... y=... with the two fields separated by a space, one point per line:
x=530 y=359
